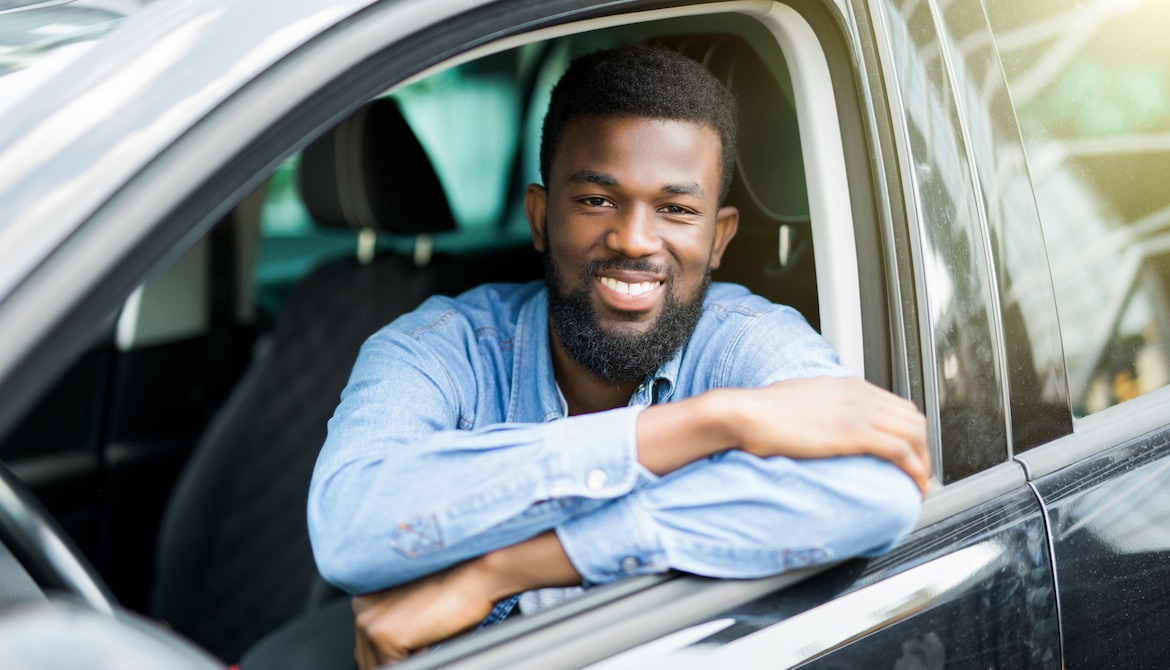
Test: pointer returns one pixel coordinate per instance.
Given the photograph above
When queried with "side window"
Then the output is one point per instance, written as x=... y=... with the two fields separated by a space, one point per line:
x=1090 y=83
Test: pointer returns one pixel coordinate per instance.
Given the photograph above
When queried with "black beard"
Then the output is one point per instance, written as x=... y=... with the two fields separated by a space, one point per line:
x=618 y=357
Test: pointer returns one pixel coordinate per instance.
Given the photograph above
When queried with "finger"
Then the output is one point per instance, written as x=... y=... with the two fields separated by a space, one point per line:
x=362 y=653
x=901 y=454
x=909 y=427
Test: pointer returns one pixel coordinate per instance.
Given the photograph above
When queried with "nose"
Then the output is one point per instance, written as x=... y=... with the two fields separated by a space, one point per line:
x=634 y=235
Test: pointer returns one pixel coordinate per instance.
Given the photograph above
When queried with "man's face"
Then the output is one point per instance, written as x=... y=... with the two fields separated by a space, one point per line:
x=631 y=228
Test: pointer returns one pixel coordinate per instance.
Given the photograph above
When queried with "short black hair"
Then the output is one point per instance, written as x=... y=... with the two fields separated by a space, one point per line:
x=640 y=81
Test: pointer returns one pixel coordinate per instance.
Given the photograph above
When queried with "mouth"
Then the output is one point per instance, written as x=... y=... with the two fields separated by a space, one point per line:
x=627 y=288
x=627 y=295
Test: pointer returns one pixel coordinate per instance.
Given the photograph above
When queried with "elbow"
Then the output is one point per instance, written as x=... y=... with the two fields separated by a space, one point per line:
x=336 y=569
x=336 y=554
x=892 y=506
x=348 y=561
x=857 y=506
x=343 y=545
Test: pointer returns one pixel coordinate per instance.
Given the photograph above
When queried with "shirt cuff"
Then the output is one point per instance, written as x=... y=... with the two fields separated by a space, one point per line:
x=593 y=455
x=618 y=540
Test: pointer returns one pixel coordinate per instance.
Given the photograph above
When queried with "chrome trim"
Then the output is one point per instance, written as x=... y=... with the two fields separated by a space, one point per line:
x=1000 y=350
x=821 y=630
x=916 y=234
x=583 y=632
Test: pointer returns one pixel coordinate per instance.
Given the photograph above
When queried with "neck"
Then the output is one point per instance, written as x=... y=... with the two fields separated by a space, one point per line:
x=584 y=391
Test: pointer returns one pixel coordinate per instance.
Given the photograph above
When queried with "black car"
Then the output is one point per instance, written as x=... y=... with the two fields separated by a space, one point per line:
x=205 y=206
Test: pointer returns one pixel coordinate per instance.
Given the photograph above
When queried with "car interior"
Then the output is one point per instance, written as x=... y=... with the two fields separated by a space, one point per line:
x=177 y=451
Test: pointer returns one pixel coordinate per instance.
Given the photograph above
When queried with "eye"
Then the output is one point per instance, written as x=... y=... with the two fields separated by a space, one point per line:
x=596 y=201
x=675 y=209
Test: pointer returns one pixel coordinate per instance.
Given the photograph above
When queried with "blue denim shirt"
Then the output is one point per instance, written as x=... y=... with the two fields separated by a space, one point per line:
x=451 y=440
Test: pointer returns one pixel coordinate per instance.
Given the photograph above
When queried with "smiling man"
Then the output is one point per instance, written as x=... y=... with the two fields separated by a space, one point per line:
x=495 y=451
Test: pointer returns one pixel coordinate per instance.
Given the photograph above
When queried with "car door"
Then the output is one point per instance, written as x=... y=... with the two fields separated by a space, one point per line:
x=1084 y=78
x=962 y=261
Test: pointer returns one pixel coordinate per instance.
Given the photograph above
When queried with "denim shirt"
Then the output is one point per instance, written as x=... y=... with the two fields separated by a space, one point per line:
x=451 y=441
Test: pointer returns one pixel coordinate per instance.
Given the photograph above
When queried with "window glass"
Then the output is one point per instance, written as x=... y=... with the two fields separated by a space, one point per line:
x=955 y=261
x=1090 y=82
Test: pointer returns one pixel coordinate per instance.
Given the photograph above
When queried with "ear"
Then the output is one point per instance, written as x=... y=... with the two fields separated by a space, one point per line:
x=536 y=208
x=726 y=223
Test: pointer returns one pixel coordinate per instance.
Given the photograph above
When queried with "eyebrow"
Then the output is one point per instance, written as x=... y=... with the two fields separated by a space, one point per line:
x=692 y=188
x=587 y=176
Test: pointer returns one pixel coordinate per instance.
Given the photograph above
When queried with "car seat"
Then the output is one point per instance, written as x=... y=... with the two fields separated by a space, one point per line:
x=772 y=252
x=233 y=559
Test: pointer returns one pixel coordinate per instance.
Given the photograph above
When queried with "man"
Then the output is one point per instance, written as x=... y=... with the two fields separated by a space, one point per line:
x=626 y=417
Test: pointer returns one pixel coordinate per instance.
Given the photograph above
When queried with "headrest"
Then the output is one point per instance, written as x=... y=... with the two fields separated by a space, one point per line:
x=769 y=164
x=371 y=172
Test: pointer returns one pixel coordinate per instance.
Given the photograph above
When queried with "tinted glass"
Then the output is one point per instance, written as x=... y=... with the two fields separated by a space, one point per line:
x=1090 y=82
x=954 y=248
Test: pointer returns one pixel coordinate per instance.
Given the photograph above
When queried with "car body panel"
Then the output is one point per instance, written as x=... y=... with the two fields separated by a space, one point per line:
x=974 y=590
x=1110 y=524
x=125 y=101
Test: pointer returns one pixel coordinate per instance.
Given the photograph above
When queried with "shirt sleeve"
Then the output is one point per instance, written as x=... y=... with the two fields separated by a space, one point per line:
x=737 y=515
x=399 y=491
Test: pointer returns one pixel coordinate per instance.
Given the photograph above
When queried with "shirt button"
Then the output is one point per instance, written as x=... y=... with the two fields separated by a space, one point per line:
x=596 y=480
x=629 y=564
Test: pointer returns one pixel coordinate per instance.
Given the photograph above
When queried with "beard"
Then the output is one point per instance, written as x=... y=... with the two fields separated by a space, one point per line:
x=616 y=356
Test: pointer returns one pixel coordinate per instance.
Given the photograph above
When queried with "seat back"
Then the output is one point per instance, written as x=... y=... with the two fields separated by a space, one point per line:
x=772 y=251
x=233 y=559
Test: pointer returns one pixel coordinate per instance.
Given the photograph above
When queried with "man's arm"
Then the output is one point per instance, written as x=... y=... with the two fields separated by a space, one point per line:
x=393 y=623
x=738 y=516
x=799 y=418
x=395 y=497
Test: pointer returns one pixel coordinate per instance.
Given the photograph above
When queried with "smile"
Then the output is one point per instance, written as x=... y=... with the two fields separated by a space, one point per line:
x=625 y=288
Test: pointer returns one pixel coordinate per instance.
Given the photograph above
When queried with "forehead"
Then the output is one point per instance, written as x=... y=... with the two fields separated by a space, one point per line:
x=640 y=148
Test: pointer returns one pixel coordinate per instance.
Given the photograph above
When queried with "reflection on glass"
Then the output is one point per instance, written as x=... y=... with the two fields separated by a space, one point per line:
x=1090 y=82
x=1133 y=359
x=955 y=259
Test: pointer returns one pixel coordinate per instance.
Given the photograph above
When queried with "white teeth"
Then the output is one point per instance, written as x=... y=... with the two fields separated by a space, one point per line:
x=629 y=289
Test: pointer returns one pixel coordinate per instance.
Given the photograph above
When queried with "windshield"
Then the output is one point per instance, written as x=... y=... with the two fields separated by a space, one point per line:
x=38 y=39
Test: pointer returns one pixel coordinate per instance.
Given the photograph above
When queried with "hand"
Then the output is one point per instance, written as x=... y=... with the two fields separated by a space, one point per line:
x=392 y=624
x=824 y=416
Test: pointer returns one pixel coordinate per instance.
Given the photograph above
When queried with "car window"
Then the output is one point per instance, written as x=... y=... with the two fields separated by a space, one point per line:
x=1090 y=83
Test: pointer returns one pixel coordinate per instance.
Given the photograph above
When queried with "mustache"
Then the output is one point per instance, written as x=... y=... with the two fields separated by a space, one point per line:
x=599 y=265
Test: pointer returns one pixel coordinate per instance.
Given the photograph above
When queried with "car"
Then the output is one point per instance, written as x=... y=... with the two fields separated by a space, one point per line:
x=205 y=206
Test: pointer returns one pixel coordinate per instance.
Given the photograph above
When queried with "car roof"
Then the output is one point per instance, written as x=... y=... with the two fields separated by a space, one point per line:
x=71 y=142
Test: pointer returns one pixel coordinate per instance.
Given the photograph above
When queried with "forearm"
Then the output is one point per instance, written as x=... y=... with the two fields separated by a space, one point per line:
x=673 y=435
x=380 y=519
x=538 y=563
x=740 y=516
x=391 y=624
